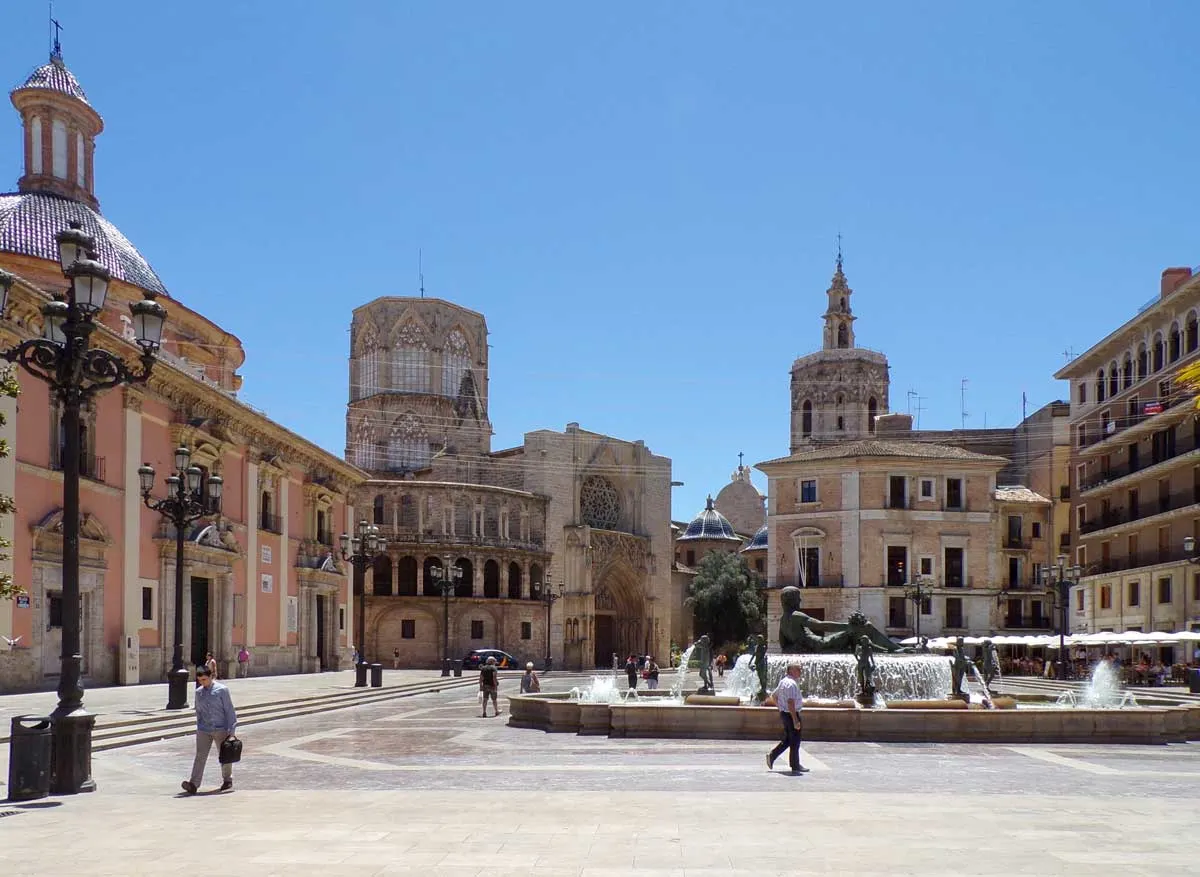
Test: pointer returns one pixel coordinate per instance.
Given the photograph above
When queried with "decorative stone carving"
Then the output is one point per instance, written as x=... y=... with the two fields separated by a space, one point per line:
x=599 y=503
x=622 y=547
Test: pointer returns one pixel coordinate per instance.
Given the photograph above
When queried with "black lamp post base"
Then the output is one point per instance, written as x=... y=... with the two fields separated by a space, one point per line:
x=71 y=753
x=177 y=683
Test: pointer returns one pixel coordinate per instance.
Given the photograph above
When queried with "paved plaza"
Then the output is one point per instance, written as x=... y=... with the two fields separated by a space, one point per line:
x=423 y=785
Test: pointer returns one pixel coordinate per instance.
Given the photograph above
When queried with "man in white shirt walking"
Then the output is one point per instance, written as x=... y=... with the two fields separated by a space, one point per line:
x=790 y=702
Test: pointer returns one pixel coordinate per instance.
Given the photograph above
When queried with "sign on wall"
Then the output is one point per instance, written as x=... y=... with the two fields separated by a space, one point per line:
x=293 y=614
x=266 y=554
x=268 y=584
x=22 y=601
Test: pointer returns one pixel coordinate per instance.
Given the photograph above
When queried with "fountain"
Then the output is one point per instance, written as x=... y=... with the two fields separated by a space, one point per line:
x=1103 y=691
x=834 y=678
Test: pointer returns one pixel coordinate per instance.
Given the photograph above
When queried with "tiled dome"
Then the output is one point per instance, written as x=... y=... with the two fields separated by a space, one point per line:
x=28 y=223
x=55 y=76
x=759 y=541
x=709 y=524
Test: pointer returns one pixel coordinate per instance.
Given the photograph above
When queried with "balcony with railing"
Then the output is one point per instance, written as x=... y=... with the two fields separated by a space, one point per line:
x=1027 y=622
x=1151 y=557
x=1142 y=511
x=1150 y=408
x=1182 y=445
x=91 y=466
x=1016 y=543
x=270 y=523
x=413 y=536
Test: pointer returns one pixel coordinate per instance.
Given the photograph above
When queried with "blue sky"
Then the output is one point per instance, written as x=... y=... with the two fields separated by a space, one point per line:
x=644 y=198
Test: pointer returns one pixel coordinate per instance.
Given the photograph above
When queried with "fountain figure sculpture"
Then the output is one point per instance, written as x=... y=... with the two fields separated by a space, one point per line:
x=802 y=634
x=758 y=663
x=960 y=666
x=991 y=663
x=865 y=652
x=703 y=653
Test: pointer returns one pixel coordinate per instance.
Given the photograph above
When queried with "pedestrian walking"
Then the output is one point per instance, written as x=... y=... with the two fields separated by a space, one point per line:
x=210 y=664
x=631 y=671
x=529 y=681
x=651 y=673
x=244 y=662
x=396 y=659
x=216 y=719
x=789 y=701
x=489 y=685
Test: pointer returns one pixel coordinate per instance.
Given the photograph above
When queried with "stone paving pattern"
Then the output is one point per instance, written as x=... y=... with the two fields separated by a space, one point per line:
x=424 y=786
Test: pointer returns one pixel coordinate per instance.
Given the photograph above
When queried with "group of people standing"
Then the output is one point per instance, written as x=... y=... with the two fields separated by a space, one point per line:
x=640 y=665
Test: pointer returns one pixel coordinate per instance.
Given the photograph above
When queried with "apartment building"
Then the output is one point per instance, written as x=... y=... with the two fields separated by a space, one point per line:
x=1135 y=466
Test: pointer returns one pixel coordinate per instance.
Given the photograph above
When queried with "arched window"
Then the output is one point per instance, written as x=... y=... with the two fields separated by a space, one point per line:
x=406 y=577
x=491 y=579
x=1191 y=334
x=365 y=456
x=466 y=585
x=1127 y=372
x=806 y=419
x=368 y=372
x=872 y=411
x=430 y=577
x=58 y=148
x=535 y=582
x=79 y=160
x=1174 y=348
x=1114 y=381
x=35 y=136
x=1100 y=386
x=514 y=581
x=843 y=336
x=1143 y=362
x=1158 y=351
x=456 y=360
x=1082 y=392
x=410 y=361
x=377 y=506
x=408 y=445
x=381 y=570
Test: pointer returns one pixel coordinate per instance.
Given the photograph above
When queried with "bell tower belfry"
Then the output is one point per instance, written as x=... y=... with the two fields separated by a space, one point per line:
x=839 y=320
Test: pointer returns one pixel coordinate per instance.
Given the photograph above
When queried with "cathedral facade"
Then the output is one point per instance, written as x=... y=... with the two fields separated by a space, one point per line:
x=559 y=547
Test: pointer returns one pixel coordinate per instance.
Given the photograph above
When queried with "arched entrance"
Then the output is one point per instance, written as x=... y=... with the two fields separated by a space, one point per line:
x=618 y=606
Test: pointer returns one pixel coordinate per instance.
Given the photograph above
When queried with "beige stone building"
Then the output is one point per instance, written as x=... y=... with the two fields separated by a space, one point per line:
x=1135 y=468
x=572 y=512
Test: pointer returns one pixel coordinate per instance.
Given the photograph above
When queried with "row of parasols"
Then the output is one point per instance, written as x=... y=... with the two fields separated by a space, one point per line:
x=1047 y=641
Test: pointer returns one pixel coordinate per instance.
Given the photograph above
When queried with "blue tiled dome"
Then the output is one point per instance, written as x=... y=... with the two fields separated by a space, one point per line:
x=709 y=524
x=759 y=542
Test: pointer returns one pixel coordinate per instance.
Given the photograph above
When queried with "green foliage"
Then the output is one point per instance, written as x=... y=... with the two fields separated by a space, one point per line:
x=9 y=388
x=726 y=598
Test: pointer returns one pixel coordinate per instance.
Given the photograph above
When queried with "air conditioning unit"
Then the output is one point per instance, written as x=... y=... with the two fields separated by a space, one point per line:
x=1110 y=427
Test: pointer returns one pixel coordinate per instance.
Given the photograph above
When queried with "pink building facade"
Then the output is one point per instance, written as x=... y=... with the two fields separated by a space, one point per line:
x=263 y=573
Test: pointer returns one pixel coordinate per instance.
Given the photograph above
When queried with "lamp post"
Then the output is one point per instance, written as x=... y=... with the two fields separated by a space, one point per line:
x=446 y=577
x=75 y=372
x=188 y=499
x=360 y=551
x=1062 y=577
x=549 y=597
x=918 y=594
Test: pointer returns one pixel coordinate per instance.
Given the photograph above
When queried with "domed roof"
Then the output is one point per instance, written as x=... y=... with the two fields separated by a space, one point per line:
x=709 y=524
x=54 y=76
x=29 y=222
x=759 y=541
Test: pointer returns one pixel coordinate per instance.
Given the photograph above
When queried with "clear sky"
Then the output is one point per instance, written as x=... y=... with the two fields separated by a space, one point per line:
x=644 y=198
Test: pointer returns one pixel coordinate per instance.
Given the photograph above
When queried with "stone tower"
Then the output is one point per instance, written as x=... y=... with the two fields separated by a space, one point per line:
x=418 y=385
x=838 y=391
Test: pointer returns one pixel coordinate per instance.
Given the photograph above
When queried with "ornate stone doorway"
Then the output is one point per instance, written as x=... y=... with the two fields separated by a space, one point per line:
x=619 y=607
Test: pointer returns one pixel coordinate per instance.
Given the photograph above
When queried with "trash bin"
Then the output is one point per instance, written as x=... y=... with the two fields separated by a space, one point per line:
x=29 y=750
x=377 y=675
x=360 y=675
x=446 y=665
x=1194 y=681
x=458 y=668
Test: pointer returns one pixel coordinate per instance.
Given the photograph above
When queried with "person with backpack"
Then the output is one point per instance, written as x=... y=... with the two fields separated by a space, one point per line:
x=529 y=681
x=489 y=685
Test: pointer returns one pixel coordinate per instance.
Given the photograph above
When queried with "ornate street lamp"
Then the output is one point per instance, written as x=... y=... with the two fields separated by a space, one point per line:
x=446 y=577
x=1062 y=577
x=75 y=372
x=360 y=551
x=188 y=499
x=918 y=594
x=549 y=598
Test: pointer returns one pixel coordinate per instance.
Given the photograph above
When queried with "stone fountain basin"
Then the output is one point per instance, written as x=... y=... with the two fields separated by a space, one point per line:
x=557 y=713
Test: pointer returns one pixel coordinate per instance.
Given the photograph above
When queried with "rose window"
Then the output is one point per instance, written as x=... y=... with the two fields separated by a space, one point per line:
x=599 y=504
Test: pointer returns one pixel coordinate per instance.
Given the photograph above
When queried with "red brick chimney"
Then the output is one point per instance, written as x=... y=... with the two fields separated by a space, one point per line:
x=1173 y=278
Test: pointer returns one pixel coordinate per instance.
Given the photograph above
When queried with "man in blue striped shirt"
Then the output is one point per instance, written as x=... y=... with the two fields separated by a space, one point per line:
x=216 y=719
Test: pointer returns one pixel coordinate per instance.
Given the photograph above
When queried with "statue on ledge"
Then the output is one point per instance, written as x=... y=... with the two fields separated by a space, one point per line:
x=801 y=634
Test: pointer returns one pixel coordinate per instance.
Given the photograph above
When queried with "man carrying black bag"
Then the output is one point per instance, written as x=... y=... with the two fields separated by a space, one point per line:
x=215 y=721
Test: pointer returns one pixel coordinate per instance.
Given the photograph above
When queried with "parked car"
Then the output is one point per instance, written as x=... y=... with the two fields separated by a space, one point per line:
x=478 y=657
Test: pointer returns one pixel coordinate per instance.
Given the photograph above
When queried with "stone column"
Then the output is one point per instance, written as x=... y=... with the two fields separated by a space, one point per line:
x=226 y=656
x=253 y=555
x=131 y=529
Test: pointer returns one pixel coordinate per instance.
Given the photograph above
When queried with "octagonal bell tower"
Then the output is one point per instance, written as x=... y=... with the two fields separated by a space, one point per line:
x=838 y=391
